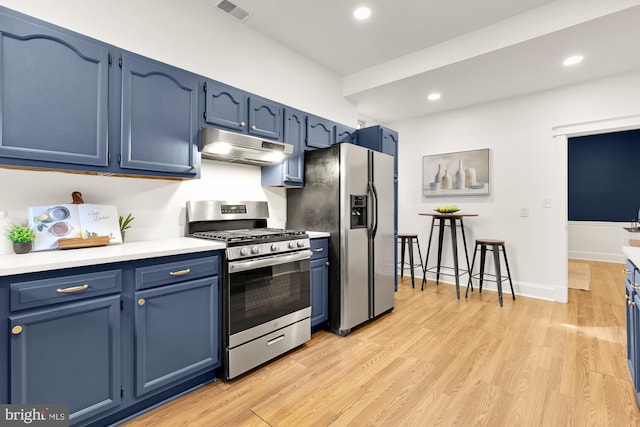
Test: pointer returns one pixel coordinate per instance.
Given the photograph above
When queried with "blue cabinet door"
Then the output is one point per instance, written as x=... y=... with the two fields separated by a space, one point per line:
x=345 y=134
x=635 y=332
x=176 y=333
x=54 y=86
x=225 y=106
x=69 y=354
x=159 y=126
x=319 y=132
x=265 y=118
x=289 y=173
x=319 y=271
x=319 y=291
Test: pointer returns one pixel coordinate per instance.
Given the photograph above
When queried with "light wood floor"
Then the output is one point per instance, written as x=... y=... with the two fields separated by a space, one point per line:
x=437 y=361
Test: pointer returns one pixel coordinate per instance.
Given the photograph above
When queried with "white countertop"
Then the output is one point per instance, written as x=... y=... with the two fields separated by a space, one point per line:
x=57 y=259
x=633 y=253
x=317 y=234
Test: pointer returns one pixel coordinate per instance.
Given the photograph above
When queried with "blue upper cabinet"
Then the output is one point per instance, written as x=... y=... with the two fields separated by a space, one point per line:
x=225 y=106
x=319 y=132
x=289 y=173
x=54 y=87
x=265 y=118
x=345 y=134
x=380 y=139
x=237 y=110
x=159 y=128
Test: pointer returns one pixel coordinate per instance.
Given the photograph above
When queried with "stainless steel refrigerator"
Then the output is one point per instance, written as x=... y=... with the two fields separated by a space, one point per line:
x=348 y=191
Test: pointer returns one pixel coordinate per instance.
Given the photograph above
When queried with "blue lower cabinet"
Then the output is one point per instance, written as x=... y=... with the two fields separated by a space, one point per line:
x=176 y=333
x=68 y=354
x=319 y=269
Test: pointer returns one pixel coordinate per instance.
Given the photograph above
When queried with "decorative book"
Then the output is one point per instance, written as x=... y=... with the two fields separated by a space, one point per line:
x=56 y=225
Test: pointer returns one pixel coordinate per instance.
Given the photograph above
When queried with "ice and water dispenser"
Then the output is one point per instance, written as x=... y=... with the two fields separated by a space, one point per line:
x=358 y=211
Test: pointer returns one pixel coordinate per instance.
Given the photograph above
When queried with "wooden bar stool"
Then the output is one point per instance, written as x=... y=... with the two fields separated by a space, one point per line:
x=495 y=246
x=408 y=240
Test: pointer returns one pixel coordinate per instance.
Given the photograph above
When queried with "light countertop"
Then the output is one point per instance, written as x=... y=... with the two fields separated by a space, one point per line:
x=317 y=234
x=633 y=253
x=58 y=259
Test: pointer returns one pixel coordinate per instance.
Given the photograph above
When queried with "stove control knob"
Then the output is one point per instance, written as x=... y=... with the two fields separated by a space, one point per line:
x=255 y=250
x=244 y=251
x=292 y=245
x=274 y=247
x=300 y=243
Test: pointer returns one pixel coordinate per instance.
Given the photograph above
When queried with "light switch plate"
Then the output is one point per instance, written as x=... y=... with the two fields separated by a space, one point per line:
x=546 y=203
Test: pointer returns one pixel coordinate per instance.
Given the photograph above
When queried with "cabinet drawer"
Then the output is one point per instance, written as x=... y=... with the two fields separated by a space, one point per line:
x=320 y=248
x=175 y=272
x=53 y=290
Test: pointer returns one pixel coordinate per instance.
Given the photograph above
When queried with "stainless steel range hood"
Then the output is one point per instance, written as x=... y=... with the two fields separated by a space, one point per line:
x=217 y=144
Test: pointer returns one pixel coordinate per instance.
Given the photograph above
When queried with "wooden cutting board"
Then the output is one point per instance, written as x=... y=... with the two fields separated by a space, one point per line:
x=79 y=242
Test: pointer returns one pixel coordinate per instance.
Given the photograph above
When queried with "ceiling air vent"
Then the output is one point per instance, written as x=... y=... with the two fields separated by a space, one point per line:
x=233 y=10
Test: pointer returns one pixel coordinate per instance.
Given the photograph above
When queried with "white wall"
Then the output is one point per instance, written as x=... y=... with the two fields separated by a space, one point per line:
x=598 y=241
x=524 y=171
x=193 y=35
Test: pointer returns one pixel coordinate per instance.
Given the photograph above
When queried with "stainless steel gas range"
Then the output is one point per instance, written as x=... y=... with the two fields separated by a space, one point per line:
x=266 y=283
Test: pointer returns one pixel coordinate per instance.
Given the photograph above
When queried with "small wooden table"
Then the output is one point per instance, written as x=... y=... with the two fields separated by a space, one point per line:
x=454 y=219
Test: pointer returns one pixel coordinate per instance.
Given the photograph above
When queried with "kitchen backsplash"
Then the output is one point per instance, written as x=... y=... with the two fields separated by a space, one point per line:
x=157 y=205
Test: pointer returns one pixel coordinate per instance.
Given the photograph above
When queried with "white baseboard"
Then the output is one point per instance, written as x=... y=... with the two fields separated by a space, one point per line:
x=598 y=256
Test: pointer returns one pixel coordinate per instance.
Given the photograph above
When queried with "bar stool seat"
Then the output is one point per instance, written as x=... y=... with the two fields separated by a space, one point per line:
x=408 y=241
x=496 y=246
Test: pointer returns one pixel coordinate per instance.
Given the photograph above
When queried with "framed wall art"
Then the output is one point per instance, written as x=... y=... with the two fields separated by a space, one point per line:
x=462 y=173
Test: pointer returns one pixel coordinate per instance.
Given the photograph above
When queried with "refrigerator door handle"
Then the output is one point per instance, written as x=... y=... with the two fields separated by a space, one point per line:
x=374 y=222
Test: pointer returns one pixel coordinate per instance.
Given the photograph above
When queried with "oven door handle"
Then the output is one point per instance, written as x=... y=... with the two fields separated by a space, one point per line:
x=238 y=266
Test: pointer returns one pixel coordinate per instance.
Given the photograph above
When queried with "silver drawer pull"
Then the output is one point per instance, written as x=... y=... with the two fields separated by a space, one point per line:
x=275 y=340
x=72 y=289
x=626 y=271
x=318 y=250
x=180 y=273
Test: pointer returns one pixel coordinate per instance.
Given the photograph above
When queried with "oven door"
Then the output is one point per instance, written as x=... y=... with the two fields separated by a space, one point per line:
x=265 y=289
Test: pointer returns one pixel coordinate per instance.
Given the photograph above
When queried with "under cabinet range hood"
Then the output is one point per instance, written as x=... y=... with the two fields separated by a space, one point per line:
x=217 y=144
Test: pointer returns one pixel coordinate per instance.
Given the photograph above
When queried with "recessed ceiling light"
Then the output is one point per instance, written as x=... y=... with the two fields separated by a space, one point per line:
x=572 y=60
x=362 y=13
x=434 y=96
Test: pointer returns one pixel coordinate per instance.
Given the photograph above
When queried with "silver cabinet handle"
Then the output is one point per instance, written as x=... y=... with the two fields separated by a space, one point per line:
x=318 y=250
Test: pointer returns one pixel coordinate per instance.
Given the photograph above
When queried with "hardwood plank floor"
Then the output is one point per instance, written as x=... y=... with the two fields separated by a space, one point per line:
x=437 y=361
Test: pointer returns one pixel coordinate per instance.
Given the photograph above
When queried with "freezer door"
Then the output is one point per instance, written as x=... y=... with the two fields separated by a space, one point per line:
x=354 y=286
x=383 y=244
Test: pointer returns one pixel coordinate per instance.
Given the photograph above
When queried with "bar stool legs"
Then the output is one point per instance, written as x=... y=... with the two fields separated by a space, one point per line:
x=494 y=246
x=408 y=240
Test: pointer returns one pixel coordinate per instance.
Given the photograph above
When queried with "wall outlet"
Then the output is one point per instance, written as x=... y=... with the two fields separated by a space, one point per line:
x=546 y=203
x=524 y=212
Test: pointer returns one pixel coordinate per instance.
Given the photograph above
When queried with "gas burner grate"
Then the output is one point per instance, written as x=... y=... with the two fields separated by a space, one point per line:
x=248 y=235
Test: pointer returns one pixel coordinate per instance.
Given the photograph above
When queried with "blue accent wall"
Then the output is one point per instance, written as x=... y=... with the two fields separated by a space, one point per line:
x=604 y=177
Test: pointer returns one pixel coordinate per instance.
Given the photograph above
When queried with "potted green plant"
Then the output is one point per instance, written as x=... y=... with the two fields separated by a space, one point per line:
x=125 y=223
x=22 y=237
